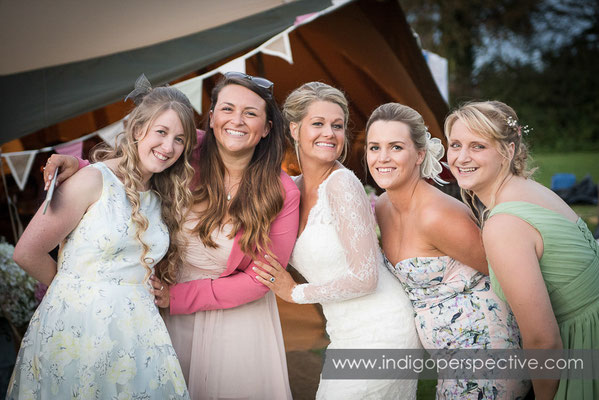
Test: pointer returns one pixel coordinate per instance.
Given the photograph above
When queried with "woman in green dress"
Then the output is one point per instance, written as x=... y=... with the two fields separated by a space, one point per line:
x=542 y=258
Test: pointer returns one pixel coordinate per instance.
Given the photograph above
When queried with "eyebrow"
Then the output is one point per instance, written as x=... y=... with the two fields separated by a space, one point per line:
x=393 y=142
x=319 y=117
x=164 y=126
x=234 y=105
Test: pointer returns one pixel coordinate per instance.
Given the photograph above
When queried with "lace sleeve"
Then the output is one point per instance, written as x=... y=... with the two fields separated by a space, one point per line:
x=355 y=226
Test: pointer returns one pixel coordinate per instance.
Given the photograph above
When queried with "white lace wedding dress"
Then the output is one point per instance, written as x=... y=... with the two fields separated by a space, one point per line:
x=365 y=306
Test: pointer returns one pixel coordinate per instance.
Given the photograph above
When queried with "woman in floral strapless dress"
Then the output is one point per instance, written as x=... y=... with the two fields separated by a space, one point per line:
x=433 y=247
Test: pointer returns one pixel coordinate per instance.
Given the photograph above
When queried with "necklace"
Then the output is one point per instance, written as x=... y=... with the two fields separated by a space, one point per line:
x=228 y=191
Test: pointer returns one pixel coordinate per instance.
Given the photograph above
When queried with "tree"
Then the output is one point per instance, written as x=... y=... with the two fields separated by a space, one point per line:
x=457 y=31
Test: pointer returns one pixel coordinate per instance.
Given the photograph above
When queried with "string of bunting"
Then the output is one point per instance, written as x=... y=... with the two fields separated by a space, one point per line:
x=20 y=162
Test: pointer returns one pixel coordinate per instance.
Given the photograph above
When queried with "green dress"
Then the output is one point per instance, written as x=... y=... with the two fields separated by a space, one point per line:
x=570 y=269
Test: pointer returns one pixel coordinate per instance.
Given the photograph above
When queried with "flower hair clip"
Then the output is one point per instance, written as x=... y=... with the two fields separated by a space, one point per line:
x=512 y=123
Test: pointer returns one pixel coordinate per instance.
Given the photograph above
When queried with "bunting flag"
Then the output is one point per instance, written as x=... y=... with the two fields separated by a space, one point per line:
x=109 y=134
x=192 y=88
x=301 y=19
x=439 y=71
x=70 y=149
x=236 y=65
x=279 y=46
x=20 y=165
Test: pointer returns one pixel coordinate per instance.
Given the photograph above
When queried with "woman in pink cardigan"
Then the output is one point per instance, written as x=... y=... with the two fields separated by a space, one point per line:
x=224 y=323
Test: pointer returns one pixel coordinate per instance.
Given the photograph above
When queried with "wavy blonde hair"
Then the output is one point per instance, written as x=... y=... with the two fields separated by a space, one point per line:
x=259 y=198
x=297 y=104
x=171 y=185
x=489 y=119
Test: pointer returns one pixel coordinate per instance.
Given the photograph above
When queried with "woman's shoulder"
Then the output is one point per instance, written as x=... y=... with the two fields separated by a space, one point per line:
x=288 y=183
x=525 y=195
x=342 y=179
x=91 y=175
x=435 y=204
x=86 y=184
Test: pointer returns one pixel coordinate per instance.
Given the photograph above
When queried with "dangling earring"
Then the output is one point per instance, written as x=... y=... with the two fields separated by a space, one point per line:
x=296 y=147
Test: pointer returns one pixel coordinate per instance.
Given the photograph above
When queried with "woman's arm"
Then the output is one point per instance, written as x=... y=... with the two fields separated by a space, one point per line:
x=354 y=223
x=46 y=231
x=241 y=286
x=512 y=247
x=68 y=165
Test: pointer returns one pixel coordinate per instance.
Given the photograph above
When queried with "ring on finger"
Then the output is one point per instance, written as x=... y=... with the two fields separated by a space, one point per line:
x=161 y=287
x=272 y=279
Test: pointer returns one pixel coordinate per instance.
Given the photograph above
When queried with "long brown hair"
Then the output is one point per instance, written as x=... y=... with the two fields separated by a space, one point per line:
x=171 y=185
x=259 y=197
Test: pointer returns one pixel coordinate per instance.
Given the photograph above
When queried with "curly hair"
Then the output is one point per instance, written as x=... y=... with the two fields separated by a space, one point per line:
x=171 y=185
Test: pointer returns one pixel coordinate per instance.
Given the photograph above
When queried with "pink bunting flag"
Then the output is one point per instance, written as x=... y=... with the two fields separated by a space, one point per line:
x=70 y=149
x=301 y=18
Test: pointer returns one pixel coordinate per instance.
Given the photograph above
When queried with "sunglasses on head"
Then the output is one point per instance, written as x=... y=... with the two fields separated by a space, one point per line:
x=262 y=82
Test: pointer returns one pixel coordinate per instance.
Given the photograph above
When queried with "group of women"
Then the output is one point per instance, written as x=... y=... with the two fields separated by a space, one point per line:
x=529 y=280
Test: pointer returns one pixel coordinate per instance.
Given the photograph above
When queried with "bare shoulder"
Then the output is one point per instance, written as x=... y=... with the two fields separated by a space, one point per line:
x=505 y=228
x=381 y=209
x=530 y=191
x=85 y=185
x=439 y=208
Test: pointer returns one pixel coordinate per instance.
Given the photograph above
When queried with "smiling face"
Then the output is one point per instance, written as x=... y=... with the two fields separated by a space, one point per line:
x=321 y=133
x=473 y=160
x=161 y=145
x=238 y=120
x=391 y=155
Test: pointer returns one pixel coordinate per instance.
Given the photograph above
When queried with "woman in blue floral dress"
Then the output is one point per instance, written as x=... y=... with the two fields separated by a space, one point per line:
x=434 y=248
x=97 y=333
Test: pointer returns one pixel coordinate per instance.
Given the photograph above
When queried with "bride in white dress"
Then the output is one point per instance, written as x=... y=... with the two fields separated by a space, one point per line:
x=337 y=249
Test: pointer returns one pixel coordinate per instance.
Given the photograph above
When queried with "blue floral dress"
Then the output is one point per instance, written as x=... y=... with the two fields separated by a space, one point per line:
x=97 y=333
x=455 y=308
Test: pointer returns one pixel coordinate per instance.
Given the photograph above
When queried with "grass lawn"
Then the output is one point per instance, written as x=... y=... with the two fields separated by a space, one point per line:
x=579 y=164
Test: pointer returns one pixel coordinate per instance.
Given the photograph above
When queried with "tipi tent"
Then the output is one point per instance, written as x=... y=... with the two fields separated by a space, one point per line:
x=364 y=47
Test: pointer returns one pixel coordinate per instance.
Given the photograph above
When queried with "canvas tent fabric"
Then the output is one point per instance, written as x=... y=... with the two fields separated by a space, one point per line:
x=49 y=33
x=365 y=48
x=42 y=97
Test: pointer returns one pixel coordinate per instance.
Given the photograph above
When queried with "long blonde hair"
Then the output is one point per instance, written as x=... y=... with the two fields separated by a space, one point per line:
x=259 y=198
x=171 y=185
x=498 y=123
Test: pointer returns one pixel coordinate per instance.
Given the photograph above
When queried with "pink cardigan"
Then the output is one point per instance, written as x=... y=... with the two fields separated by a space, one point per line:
x=238 y=284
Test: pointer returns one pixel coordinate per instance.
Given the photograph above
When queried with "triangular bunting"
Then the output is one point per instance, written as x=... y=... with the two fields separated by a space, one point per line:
x=109 y=133
x=279 y=46
x=192 y=88
x=302 y=19
x=20 y=166
x=236 y=65
x=70 y=149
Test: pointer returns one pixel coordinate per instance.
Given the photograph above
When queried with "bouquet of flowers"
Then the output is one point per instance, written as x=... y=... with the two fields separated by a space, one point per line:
x=17 y=290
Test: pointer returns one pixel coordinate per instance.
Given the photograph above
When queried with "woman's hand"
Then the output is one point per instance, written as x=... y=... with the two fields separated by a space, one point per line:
x=160 y=291
x=67 y=166
x=276 y=278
